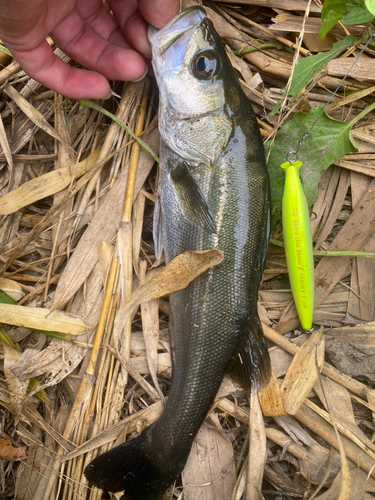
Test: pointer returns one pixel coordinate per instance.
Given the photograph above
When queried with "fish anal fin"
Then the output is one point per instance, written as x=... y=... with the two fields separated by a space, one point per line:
x=192 y=201
x=252 y=366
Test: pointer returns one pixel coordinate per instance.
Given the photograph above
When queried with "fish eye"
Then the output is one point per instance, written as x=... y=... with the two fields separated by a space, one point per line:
x=204 y=65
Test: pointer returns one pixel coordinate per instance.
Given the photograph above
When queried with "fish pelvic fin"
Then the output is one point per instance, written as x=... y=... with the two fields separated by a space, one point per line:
x=252 y=365
x=127 y=469
x=192 y=202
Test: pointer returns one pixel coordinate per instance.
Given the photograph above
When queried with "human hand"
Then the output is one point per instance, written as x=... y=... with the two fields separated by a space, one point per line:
x=109 y=46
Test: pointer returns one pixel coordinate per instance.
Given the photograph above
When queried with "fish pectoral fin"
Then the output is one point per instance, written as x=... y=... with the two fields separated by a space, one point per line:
x=158 y=229
x=252 y=366
x=191 y=199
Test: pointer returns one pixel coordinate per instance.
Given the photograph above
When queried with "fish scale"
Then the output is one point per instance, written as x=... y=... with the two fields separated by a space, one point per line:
x=213 y=192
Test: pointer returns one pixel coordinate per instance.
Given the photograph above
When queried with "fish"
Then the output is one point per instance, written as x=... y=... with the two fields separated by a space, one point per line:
x=213 y=192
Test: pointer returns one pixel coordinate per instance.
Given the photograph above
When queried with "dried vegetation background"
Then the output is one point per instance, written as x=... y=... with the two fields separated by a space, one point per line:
x=76 y=242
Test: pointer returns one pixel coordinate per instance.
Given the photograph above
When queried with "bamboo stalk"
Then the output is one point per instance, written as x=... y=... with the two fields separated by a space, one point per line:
x=134 y=157
x=126 y=232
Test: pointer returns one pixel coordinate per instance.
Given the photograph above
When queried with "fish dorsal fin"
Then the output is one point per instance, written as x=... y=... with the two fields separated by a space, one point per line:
x=191 y=199
x=158 y=229
x=252 y=366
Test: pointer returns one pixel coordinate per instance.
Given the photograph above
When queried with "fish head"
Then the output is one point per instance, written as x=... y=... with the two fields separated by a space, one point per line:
x=189 y=63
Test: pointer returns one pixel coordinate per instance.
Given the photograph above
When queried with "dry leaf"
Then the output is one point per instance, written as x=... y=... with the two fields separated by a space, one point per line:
x=257 y=451
x=271 y=398
x=60 y=358
x=364 y=68
x=17 y=388
x=6 y=150
x=12 y=288
x=241 y=481
x=150 y=328
x=39 y=318
x=102 y=227
x=132 y=423
x=174 y=276
x=303 y=372
x=124 y=251
x=346 y=479
x=209 y=473
x=32 y=113
x=105 y=252
x=45 y=185
x=313 y=421
x=9 y=452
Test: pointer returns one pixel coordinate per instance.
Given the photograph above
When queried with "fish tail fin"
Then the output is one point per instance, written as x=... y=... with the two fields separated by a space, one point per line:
x=252 y=366
x=127 y=468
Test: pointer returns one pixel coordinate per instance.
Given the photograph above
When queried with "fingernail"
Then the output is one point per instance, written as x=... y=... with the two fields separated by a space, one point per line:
x=144 y=74
x=109 y=95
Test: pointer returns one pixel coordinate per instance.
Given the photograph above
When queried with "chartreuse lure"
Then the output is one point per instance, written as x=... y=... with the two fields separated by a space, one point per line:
x=296 y=226
x=298 y=243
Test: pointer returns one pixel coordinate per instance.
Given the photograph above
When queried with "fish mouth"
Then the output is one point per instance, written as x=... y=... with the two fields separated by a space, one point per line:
x=186 y=21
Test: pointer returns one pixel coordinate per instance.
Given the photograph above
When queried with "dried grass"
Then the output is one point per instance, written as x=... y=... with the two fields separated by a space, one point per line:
x=76 y=205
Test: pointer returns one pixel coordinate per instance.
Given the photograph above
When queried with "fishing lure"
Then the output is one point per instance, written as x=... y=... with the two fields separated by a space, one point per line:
x=296 y=226
x=298 y=243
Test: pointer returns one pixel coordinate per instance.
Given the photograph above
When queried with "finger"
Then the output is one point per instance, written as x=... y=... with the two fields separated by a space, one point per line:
x=136 y=33
x=101 y=21
x=123 y=9
x=132 y=24
x=77 y=39
x=158 y=12
x=48 y=69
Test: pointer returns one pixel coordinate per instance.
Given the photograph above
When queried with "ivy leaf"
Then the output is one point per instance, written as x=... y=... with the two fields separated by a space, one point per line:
x=328 y=141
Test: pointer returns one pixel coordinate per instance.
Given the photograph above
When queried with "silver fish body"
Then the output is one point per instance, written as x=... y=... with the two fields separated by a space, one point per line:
x=213 y=192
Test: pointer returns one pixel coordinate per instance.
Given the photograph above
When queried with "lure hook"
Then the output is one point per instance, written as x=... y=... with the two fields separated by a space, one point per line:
x=330 y=325
x=292 y=156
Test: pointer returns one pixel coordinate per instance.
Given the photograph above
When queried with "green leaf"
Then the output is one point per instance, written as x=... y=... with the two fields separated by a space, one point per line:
x=357 y=14
x=4 y=49
x=6 y=299
x=87 y=103
x=370 y=4
x=5 y=339
x=332 y=11
x=328 y=141
x=307 y=69
x=346 y=11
